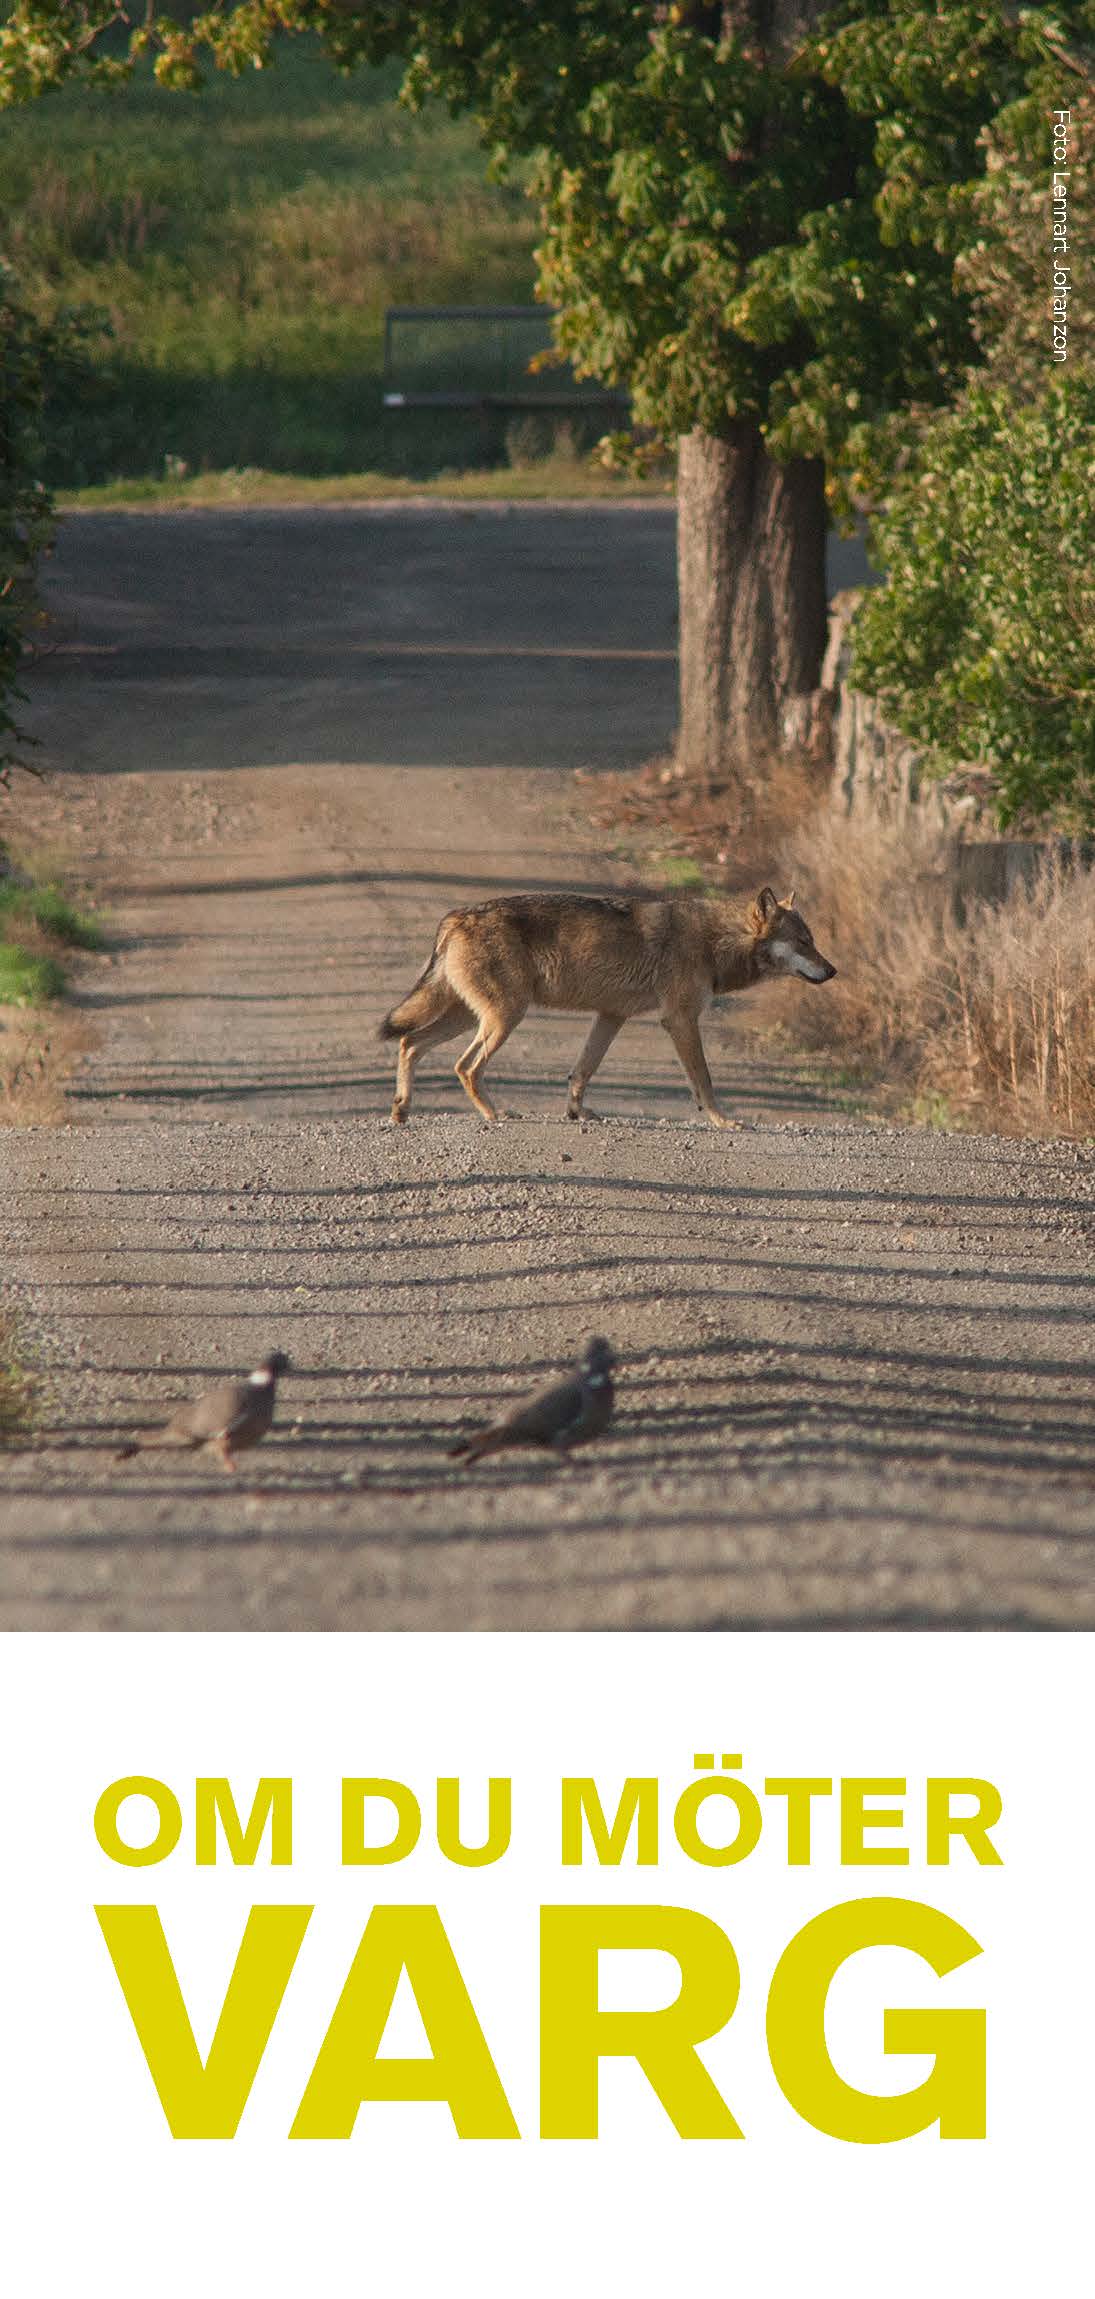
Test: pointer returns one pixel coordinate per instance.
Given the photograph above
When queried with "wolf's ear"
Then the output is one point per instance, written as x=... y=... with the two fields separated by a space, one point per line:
x=762 y=910
x=789 y=900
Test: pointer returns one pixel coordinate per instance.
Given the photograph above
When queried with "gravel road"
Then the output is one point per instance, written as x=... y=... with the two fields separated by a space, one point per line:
x=856 y=1368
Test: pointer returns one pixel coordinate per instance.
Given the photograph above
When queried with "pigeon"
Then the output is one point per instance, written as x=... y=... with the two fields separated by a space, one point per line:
x=565 y=1414
x=230 y=1418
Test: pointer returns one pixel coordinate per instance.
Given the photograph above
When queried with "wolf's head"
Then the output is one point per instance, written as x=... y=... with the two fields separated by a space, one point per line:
x=784 y=943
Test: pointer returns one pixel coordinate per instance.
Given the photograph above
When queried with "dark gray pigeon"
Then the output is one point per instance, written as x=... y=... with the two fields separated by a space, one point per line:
x=565 y=1414
x=230 y=1418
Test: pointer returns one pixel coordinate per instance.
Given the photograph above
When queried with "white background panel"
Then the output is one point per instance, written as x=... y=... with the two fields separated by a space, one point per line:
x=100 y=2196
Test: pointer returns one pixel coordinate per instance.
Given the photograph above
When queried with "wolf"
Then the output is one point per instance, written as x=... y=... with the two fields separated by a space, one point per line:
x=612 y=955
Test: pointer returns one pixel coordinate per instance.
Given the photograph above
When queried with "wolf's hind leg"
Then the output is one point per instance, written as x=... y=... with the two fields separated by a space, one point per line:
x=446 y=1025
x=495 y=1027
x=605 y=1028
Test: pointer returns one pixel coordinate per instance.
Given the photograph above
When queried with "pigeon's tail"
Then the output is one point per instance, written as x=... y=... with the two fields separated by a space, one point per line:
x=473 y=1448
x=159 y=1441
x=430 y=997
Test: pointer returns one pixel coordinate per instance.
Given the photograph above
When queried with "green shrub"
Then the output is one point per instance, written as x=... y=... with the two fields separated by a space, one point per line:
x=981 y=644
x=26 y=513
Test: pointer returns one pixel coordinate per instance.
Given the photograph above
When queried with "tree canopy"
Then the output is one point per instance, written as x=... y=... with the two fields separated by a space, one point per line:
x=736 y=226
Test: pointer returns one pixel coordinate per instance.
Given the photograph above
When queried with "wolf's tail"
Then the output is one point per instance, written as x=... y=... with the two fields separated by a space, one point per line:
x=430 y=997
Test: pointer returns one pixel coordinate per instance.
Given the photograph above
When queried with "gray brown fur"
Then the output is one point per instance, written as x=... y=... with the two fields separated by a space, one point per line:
x=565 y=1414
x=610 y=955
x=231 y=1417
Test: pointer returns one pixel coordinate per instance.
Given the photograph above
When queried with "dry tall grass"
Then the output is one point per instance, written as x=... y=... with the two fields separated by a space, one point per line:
x=1020 y=1042
x=879 y=897
x=988 y=1015
x=38 y=1053
x=16 y=1386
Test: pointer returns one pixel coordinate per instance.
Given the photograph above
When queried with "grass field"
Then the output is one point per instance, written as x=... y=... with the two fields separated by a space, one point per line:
x=557 y=479
x=243 y=245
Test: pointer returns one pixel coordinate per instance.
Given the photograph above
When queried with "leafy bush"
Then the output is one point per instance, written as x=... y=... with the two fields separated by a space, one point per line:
x=26 y=513
x=43 y=362
x=982 y=642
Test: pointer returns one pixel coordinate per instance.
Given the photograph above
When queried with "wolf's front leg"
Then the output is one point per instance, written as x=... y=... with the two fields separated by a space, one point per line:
x=605 y=1028
x=684 y=1030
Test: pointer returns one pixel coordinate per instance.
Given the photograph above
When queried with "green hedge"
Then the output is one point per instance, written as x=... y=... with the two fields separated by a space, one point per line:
x=981 y=644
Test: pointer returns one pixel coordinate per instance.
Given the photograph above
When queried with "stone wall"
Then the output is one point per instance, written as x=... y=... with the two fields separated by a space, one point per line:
x=875 y=767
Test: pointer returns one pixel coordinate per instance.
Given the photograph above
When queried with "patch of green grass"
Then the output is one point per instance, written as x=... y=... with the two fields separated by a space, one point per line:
x=50 y=909
x=935 y=1110
x=27 y=978
x=243 y=244
x=555 y=480
x=680 y=870
x=16 y=1386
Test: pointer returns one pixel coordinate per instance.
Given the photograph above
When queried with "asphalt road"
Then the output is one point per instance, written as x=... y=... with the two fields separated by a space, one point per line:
x=856 y=1368
x=403 y=637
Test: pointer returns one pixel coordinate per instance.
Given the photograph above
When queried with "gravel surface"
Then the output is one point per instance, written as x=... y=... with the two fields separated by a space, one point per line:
x=856 y=1371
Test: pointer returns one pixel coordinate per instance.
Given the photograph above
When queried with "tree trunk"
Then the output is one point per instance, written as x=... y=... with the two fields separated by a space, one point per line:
x=751 y=570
